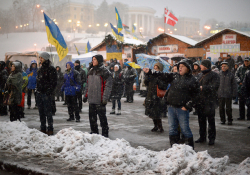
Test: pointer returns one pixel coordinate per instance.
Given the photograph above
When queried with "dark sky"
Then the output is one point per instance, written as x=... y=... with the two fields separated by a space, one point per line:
x=221 y=10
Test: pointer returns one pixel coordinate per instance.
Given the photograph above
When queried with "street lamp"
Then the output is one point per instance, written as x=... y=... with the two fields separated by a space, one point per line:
x=175 y=29
x=72 y=24
x=21 y=26
x=97 y=25
x=106 y=25
x=37 y=5
x=161 y=30
x=42 y=11
x=16 y=27
x=42 y=20
x=35 y=46
x=89 y=25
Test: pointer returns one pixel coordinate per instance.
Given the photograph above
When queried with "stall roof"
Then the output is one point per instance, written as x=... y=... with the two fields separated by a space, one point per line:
x=219 y=33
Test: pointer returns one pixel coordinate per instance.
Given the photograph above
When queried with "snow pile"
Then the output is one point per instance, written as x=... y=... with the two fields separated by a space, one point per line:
x=94 y=152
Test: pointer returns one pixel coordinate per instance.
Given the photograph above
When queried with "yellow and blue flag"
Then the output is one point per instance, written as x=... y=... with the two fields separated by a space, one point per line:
x=127 y=31
x=141 y=34
x=119 y=21
x=133 y=28
x=77 y=50
x=55 y=37
x=88 y=47
x=113 y=52
x=135 y=37
x=119 y=36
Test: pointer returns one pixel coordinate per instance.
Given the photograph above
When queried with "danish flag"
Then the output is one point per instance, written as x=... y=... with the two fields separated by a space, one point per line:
x=170 y=18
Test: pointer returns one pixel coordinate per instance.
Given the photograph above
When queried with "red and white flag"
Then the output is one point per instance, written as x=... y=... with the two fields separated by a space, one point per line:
x=170 y=18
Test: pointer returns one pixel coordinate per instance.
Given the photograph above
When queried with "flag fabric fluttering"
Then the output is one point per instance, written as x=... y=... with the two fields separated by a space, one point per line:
x=135 y=37
x=170 y=18
x=55 y=37
x=77 y=50
x=119 y=21
x=133 y=28
x=88 y=47
x=127 y=31
x=119 y=36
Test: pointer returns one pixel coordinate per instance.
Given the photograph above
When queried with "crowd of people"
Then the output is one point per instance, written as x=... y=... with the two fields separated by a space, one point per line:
x=189 y=86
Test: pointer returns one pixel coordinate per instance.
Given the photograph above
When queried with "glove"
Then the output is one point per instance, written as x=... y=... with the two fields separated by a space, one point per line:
x=85 y=99
x=104 y=102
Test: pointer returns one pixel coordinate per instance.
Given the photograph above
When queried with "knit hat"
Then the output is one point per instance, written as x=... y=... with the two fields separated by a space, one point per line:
x=247 y=59
x=196 y=63
x=224 y=62
x=187 y=63
x=206 y=63
x=44 y=55
x=159 y=65
x=77 y=61
x=117 y=66
x=99 y=58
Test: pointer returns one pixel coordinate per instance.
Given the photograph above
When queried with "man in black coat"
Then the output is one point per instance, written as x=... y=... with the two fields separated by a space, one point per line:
x=83 y=80
x=208 y=100
x=3 y=79
x=129 y=78
x=227 y=90
x=218 y=63
x=60 y=80
x=240 y=75
x=46 y=84
x=246 y=89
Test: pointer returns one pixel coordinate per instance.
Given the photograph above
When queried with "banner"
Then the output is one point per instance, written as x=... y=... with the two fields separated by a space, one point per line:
x=229 y=39
x=113 y=52
x=225 y=48
x=165 y=49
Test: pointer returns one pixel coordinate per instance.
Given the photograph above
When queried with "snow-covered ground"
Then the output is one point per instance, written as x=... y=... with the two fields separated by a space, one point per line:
x=85 y=151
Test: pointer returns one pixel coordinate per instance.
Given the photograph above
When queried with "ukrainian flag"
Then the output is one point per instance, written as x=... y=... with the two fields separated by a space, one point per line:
x=77 y=50
x=88 y=47
x=127 y=31
x=119 y=36
x=55 y=37
x=135 y=37
x=119 y=21
x=133 y=28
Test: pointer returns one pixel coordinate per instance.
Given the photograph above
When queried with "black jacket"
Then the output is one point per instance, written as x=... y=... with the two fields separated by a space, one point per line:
x=46 y=79
x=183 y=91
x=82 y=74
x=210 y=82
x=240 y=75
x=3 y=76
x=129 y=75
x=155 y=106
x=231 y=63
x=217 y=64
x=228 y=86
x=60 y=80
x=246 y=85
x=117 y=88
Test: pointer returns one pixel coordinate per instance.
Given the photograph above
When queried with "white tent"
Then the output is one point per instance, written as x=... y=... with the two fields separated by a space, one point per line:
x=84 y=58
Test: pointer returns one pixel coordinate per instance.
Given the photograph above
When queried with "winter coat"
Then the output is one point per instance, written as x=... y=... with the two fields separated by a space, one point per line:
x=246 y=86
x=82 y=75
x=117 y=88
x=183 y=91
x=142 y=83
x=210 y=82
x=155 y=106
x=72 y=81
x=14 y=85
x=32 y=73
x=60 y=80
x=25 y=81
x=228 y=86
x=129 y=75
x=218 y=64
x=240 y=75
x=86 y=73
x=46 y=79
x=231 y=63
x=197 y=73
x=3 y=76
x=99 y=84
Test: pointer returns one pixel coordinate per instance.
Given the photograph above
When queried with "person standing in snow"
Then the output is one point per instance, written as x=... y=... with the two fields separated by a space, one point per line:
x=72 y=85
x=208 y=101
x=14 y=89
x=155 y=106
x=60 y=79
x=227 y=90
x=246 y=89
x=82 y=81
x=181 y=96
x=3 y=79
x=129 y=78
x=117 y=90
x=97 y=92
x=46 y=83
x=83 y=66
x=32 y=73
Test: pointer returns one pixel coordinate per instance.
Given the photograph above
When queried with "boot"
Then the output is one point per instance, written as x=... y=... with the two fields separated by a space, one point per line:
x=155 y=126
x=113 y=111
x=174 y=139
x=50 y=133
x=160 y=126
x=182 y=139
x=200 y=140
x=43 y=131
x=119 y=112
x=190 y=142
x=70 y=119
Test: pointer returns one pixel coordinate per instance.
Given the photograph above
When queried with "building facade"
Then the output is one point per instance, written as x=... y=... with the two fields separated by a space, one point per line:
x=187 y=26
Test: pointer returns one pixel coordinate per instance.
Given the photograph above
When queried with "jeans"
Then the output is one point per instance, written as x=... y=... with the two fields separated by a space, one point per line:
x=73 y=107
x=176 y=116
x=206 y=112
x=45 y=110
x=101 y=111
x=79 y=98
x=118 y=103
x=29 y=97
x=228 y=103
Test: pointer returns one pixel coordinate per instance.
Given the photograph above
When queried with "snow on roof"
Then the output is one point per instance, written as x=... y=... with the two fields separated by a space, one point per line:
x=239 y=32
x=93 y=41
x=183 y=39
x=133 y=41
